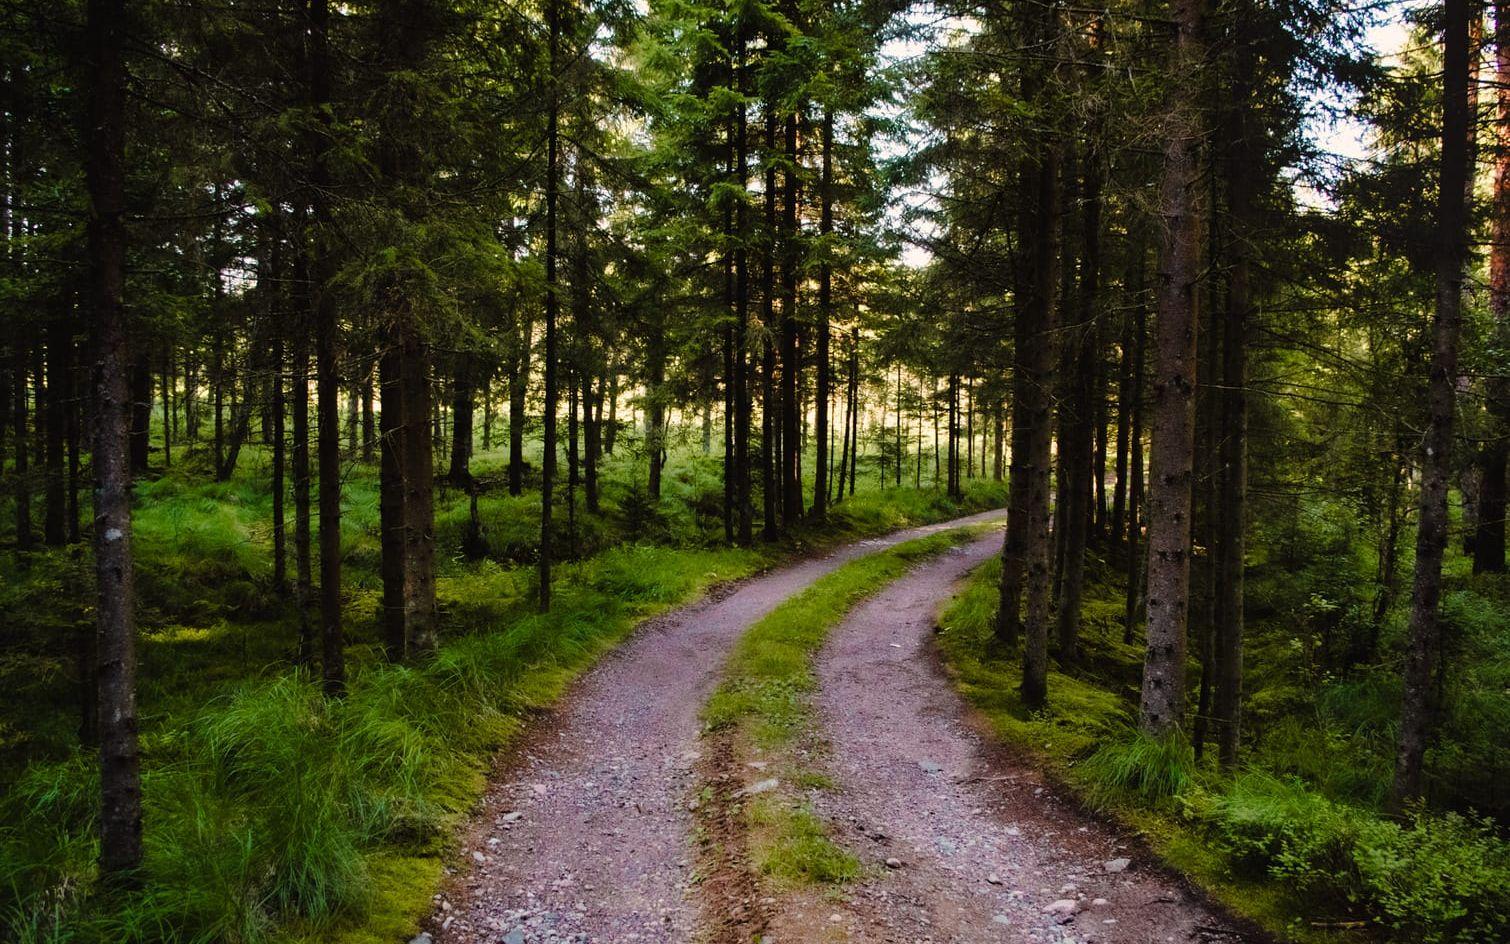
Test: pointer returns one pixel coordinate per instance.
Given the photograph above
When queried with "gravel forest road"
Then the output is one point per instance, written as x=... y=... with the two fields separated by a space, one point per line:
x=962 y=843
x=583 y=834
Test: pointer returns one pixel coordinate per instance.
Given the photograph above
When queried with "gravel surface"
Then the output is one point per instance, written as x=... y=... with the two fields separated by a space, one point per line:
x=583 y=834
x=979 y=847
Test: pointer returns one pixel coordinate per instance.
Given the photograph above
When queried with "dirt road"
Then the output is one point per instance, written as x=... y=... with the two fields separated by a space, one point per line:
x=583 y=834
x=980 y=848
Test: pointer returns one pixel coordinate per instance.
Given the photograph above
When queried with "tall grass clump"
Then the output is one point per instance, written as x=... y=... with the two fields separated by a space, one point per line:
x=1154 y=769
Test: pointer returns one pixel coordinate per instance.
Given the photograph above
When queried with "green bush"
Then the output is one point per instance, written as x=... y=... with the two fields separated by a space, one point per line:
x=1436 y=879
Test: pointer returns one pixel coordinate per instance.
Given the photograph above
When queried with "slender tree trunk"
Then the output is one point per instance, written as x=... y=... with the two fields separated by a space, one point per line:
x=120 y=762
x=611 y=430
x=846 y=444
x=279 y=443
x=327 y=381
x=768 y=351
x=518 y=389
x=59 y=393
x=301 y=466
x=592 y=440
x=1077 y=429
x=655 y=409
x=1424 y=637
x=167 y=410
x=573 y=446
x=742 y=363
x=1135 y=439
x=353 y=421
x=369 y=422
x=1124 y=426
x=1240 y=144
x=1169 y=499
x=825 y=316
x=141 y=411
x=74 y=432
x=552 y=302
x=487 y=412
x=791 y=364
x=391 y=420
x=463 y=406
x=854 y=411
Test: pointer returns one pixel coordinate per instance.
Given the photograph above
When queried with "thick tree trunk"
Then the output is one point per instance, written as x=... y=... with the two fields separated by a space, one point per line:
x=1026 y=562
x=1489 y=543
x=120 y=763
x=1424 y=639
x=1078 y=417
x=1172 y=451
x=418 y=478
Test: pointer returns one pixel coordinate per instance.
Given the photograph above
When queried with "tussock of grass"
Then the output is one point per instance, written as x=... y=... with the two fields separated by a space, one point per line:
x=1154 y=770
x=793 y=846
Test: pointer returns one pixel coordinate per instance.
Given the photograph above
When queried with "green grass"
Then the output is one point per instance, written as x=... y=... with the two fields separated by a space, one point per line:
x=272 y=813
x=763 y=707
x=1285 y=842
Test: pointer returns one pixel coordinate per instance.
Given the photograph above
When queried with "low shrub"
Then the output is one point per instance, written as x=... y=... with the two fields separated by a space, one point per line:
x=1434 y=878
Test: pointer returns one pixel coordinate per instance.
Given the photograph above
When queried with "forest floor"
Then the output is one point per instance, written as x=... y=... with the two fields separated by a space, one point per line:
x=588 y=830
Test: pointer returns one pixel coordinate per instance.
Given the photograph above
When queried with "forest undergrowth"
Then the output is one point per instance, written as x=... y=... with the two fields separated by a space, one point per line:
x=273 y=813
x=1299 y=837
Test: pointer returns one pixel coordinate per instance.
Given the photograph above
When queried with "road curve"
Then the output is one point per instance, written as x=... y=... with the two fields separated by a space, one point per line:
x=583 y=834
x=981 y=848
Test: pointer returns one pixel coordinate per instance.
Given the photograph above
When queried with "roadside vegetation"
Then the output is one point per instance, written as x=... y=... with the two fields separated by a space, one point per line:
x=1298 y=837
x=272 y=812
